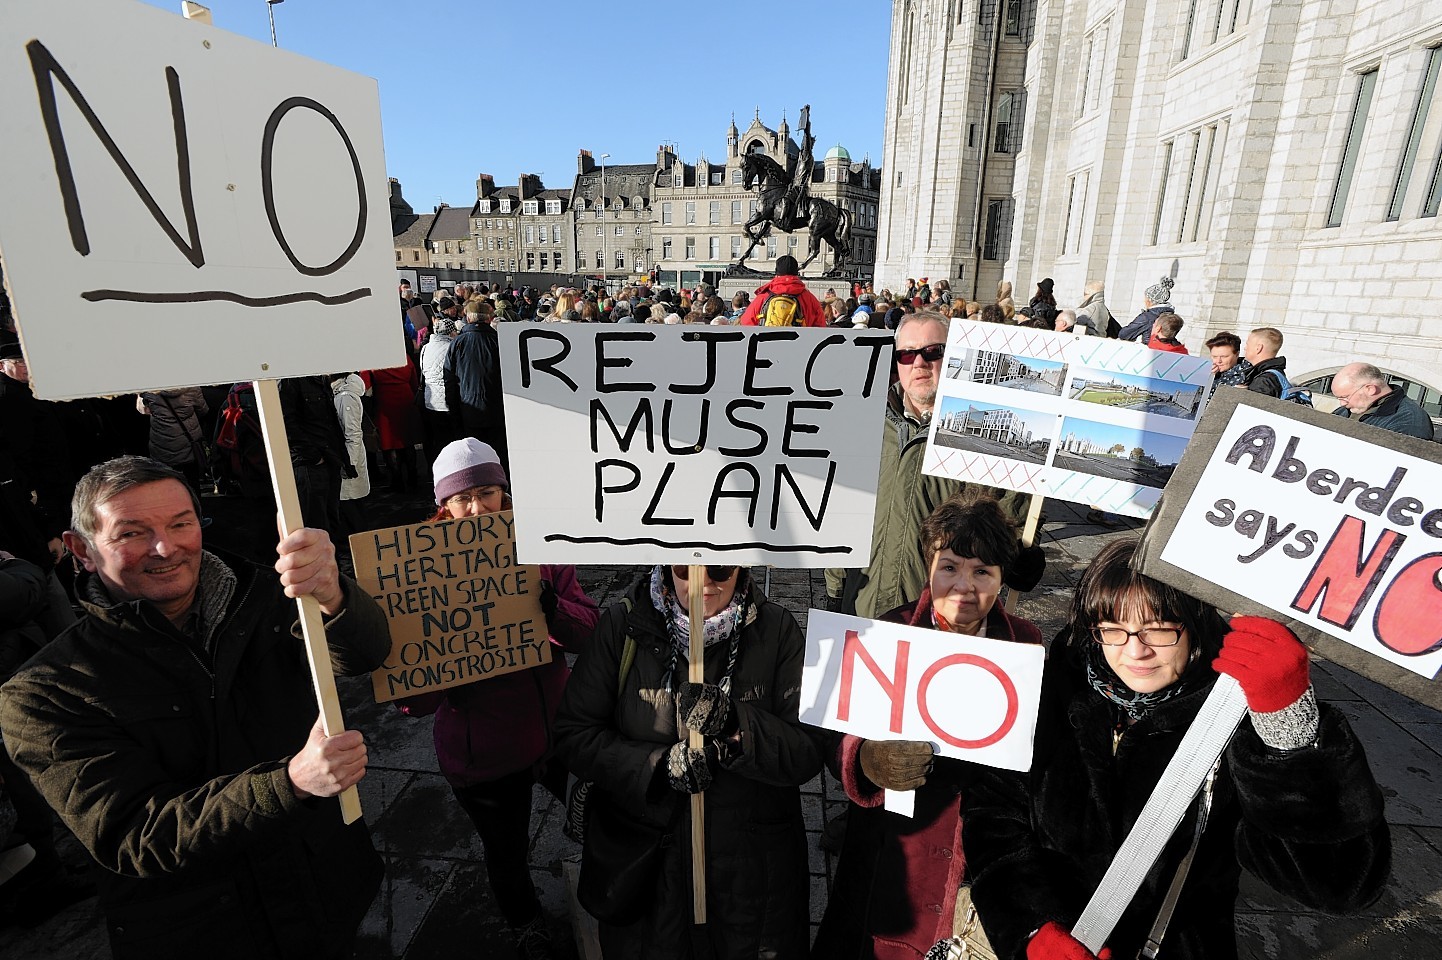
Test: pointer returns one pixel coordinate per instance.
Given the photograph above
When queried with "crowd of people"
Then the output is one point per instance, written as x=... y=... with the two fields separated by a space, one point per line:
x=157 y=700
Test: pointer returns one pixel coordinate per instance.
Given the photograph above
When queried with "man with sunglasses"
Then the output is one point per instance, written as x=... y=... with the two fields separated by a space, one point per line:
x=904 y=495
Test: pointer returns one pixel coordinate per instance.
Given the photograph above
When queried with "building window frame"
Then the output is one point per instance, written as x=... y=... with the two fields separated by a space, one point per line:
x=1414 y=134
x=1352 y=148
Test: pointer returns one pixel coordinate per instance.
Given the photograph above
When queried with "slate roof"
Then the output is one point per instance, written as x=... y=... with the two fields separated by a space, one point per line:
x=623 y=180
x=410 y=231
x=452 y=223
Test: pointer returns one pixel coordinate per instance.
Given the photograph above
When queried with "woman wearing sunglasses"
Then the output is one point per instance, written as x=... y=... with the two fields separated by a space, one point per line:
x=493 y=737
x=623 y=725
x=896 y=884
x=1292 y=800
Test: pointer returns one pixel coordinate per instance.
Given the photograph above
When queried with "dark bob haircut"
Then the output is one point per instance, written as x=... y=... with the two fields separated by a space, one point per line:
x=1110 y=589
x=970 y=525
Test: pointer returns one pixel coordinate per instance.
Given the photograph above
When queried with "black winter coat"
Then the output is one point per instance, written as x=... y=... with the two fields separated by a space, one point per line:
x=1260 y=380
x=1140 y=329
x=171 y=771
x=758 y=892
x=175 y=431
x=1307 y=822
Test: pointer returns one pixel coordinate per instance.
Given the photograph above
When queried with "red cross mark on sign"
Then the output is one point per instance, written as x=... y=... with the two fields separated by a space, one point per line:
x=984 y=469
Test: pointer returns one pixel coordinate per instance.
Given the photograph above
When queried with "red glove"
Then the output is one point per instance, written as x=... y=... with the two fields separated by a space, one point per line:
x=1268 y=661
x=1053 y=942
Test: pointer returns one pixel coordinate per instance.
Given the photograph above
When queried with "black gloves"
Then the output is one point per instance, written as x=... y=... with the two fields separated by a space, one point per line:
x=832 y=604
x=704 y=708
x=687 y=770
x=896 y=764
x=548 y=600
x=1025 y=572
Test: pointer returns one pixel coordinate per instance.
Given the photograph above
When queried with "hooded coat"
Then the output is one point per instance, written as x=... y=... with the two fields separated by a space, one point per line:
x=791 y=284
x=1307 y=822
x=758 y=890
x=175 y=431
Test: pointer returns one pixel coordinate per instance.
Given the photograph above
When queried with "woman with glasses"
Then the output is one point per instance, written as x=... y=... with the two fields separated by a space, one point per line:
x=494 y=737
x=895 y=890
x=623 y=725
x=1292 y=799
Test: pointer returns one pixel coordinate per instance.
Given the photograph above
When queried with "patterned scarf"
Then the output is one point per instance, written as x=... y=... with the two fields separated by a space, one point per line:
x=1104 y=680
x=725 y=625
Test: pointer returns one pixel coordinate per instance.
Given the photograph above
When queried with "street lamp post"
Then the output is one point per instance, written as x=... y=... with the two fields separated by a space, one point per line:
x=270 y=9
x=604 y=253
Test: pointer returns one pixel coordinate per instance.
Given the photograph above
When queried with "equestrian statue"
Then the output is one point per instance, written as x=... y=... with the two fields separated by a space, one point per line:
x=785 y=202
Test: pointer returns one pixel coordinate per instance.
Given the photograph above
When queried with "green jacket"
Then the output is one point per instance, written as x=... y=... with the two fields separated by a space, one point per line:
x=169 y=765
x=905 y=497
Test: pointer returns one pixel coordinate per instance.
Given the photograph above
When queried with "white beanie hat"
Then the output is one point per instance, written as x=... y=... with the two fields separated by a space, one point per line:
x=466 y=463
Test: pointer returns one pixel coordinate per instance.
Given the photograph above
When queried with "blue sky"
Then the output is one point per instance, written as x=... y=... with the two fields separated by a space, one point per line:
x=504 y=88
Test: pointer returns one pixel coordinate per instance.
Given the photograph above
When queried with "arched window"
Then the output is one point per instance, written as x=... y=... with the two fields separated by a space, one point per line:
x=755 y=146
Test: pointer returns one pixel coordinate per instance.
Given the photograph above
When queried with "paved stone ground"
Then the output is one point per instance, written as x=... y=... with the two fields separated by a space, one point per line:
x=435 y=902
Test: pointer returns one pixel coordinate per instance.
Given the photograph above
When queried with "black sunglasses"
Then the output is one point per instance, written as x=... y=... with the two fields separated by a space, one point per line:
x=716 y=574
x=931 y=353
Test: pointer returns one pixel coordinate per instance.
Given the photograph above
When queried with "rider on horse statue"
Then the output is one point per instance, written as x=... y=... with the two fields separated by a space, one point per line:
x=785 y=202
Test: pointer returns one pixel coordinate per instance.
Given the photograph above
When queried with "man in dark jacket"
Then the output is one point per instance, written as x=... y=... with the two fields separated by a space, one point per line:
x=473 y=385
x=1263 y=345
x=174 y=730
x=904 y=495
x=787 y=282
x=1367 y=397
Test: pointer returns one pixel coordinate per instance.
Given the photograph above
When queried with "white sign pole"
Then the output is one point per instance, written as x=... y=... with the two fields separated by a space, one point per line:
x=1203 y=743
x=277 y=450
x=696 y=673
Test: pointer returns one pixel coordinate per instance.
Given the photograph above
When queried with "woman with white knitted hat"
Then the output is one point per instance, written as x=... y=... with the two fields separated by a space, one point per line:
x=494 y=738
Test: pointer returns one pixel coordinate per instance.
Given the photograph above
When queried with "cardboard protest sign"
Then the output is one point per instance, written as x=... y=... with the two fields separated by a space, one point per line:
x=461 y=608
x=972 y=698
x=1334 y=526
x=186 y=206
x=1088 y=419
x=686 y=444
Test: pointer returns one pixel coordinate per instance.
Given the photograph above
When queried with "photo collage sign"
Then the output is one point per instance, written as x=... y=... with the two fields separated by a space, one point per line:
x=1087 y=419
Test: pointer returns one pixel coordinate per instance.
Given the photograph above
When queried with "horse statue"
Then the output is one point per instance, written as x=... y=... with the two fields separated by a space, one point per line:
x=788 y=206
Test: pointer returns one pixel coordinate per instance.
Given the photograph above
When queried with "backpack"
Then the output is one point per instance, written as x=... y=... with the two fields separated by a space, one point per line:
x=781 y=310
x=1290 y=393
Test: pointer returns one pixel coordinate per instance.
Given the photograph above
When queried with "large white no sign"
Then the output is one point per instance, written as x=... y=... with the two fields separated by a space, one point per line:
x=186 y=206
x=970 y=697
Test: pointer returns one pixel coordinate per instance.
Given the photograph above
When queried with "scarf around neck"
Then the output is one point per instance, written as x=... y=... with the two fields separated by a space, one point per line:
x=724 y=626
x=1104 y=680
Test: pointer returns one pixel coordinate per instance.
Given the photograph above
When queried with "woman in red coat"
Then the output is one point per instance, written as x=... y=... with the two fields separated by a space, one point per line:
x=397 y=420
x=895 y=890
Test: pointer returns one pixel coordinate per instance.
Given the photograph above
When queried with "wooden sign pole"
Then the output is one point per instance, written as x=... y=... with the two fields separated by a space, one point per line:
x=696 y=583
x=282 y=477
x=1028 y=538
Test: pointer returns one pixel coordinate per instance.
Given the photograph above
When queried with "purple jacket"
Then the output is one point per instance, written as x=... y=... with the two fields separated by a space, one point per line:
x=493 y=727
